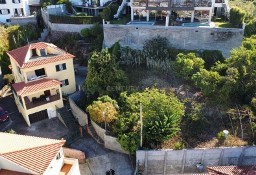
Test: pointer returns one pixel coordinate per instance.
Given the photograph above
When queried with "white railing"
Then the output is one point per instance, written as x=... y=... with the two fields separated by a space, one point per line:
x=36 y=77
x=120 y=9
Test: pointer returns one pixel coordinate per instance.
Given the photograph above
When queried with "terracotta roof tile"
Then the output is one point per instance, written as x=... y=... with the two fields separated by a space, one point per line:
x=23 y=88
x=19 y=55
x=231 y=170
x=35 y=159
x=8 y=172
x=46 y=60
x=32 y=153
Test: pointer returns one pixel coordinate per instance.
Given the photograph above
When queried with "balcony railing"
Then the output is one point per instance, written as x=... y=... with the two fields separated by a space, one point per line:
x=42 y=100
x=36 y=77
x=158 y=3
x=187 y=3
x=139 y=3
x=203 y=3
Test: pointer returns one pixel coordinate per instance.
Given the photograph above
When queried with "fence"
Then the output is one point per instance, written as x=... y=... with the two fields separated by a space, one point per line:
x=184 y=161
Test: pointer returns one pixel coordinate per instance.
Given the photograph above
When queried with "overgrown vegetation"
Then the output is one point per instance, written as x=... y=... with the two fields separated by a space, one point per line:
x=13 y=37
x=212 y=79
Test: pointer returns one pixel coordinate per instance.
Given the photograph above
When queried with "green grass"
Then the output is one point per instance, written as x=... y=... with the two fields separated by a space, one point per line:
x=224 y=24
x=122 y=20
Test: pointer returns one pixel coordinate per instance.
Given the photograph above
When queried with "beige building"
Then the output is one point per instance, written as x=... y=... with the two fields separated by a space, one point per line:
x=26 y=155
x=42 y=74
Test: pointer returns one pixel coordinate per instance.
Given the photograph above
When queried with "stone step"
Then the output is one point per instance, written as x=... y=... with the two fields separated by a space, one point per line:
x=91 y=131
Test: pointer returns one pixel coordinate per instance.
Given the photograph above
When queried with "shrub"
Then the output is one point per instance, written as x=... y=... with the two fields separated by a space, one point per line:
x=211 y=57
x=178 y=146
x=85 y=32
x=237 y=16
x=187 y=65
x=8 y=79
x=97 y=109
x=74 y=19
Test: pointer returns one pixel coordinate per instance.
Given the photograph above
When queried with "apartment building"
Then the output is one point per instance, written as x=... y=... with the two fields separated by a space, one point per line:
x=42 y=74
x=13 y=9
x=26 y=155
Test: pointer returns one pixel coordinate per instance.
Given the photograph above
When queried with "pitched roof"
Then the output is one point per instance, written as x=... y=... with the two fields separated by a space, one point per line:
x=232 y=170
x=8 y=172
x=23 y=88
x=20 y=54
x=32 y=153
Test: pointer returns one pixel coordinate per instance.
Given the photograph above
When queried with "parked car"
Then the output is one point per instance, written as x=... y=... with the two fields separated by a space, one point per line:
x=3 y=115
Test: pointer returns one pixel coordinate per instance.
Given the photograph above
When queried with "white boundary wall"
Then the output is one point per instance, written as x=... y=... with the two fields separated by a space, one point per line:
x=165 y=162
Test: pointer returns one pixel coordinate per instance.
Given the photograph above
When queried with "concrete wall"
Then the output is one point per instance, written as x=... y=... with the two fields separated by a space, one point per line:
x=190 y=38
x=76 y=28
x=23 y=20
x=109 y=142
x=76 y=111
x=100 y=131
x=184 y=161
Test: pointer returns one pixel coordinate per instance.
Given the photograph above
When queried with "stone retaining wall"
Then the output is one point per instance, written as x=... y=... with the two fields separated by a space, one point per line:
x=189 y=38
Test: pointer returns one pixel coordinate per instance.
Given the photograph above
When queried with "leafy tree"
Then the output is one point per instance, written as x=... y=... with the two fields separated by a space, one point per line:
x=187 y=65
x=207 y=81
x=106 y=14
x=103 y=104
x=161 y=115
x=237 y=16
x=104 y=76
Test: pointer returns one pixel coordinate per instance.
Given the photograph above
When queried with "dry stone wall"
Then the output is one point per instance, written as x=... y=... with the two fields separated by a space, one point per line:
x=189 y=38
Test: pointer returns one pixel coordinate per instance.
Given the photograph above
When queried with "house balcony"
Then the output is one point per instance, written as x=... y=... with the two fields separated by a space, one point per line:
x=36 y=74
x=158 y=3
x=70 y=167
x=139 y=3
x=183 y=3
x=42 y=100
x=203 y=3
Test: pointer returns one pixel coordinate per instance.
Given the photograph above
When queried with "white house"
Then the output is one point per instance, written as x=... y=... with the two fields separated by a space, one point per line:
x=13 y=8
x=26 y=155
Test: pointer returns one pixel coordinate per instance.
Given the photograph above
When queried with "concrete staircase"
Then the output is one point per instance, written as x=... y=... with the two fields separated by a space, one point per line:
x=91 y=131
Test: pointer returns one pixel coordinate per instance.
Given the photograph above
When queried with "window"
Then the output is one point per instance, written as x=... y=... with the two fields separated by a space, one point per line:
x=58 y=156
x=64 y=83
x=40 y=72
x=8 y=20
x=16 y=1
x=4 y=11
x=34 y=52
x=61 y=67
x=42 y=52
x=2 y=1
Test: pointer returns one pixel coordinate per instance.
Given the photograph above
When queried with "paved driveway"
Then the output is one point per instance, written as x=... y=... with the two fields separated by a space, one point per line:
x=100 y=159
x=52 y=128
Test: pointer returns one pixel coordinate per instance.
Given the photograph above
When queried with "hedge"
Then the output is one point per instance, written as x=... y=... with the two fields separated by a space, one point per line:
x=74 y=19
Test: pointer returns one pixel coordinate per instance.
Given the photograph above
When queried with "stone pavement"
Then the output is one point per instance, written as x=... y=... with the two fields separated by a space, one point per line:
x=100 y=159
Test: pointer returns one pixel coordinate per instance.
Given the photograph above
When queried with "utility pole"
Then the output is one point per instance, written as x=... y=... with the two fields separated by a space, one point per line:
x=141 y=125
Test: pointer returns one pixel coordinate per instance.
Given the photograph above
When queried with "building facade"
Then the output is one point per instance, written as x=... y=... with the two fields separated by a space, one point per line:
x=13 y=9
x=42 y=74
